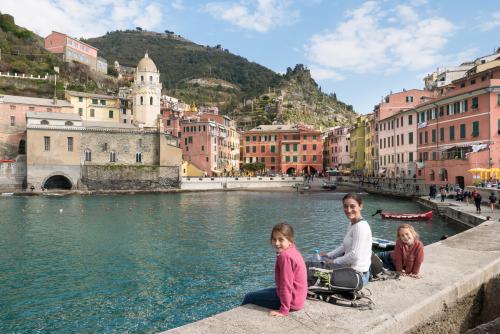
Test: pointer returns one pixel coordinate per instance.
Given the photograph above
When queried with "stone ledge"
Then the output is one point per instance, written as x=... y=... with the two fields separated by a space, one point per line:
x=453 y=269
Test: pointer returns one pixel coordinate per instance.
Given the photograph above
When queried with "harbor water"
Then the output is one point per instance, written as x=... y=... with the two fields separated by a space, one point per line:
x=147 y=263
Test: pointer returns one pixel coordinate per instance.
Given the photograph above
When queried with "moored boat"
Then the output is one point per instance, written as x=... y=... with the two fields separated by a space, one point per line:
x=407 y=216
x=382 y=244
x=328 y=185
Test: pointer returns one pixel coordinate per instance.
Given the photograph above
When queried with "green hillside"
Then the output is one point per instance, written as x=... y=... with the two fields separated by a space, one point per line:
x=250 y=93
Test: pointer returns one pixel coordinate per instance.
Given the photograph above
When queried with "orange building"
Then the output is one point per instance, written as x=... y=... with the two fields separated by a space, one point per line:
x=284 y=149
x=460 y=130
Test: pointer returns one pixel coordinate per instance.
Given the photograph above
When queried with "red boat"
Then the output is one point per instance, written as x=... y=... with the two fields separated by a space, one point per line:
x=407 y=216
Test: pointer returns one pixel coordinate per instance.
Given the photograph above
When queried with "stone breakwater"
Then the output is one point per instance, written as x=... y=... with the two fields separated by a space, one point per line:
x=460 y=274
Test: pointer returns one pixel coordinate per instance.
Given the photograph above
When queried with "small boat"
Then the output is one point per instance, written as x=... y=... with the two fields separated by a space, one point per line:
x=301 y=187
x=329 y=185
x=407 y=216
x=379 y=244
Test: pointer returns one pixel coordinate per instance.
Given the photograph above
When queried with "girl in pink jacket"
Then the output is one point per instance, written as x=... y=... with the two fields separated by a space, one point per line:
x=290 y=276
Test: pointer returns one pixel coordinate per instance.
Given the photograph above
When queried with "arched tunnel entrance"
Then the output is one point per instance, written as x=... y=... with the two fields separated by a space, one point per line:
x=58 y=182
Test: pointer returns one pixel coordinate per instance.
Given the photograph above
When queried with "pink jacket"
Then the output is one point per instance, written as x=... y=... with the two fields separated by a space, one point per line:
x=290 y=275
x=409 y=258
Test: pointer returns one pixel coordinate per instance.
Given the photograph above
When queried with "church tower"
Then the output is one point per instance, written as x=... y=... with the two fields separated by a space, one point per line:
x=146 y=92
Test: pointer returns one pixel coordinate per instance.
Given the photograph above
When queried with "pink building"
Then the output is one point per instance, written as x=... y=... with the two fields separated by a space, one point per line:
x=13 y=111
x=336 y=149
x=208 y=141
x=460 y=130
x=395 y=131
x=75 y=50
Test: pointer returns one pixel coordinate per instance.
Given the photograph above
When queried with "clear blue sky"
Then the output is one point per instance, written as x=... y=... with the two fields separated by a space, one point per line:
x=361 y=50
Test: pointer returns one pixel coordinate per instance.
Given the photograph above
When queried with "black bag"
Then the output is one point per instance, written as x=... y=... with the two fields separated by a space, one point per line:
x=336 y=285
x=377 y=266
x=320 y=276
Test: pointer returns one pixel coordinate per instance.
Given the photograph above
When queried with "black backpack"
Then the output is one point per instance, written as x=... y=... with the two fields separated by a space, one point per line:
x=336 y=285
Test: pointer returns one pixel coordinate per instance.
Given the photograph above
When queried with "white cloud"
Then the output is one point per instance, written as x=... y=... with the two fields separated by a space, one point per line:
x=260 y=15
x=320 y=73
x=491 y=23
x=178 y=4
x=83 y=18
x=372 y=39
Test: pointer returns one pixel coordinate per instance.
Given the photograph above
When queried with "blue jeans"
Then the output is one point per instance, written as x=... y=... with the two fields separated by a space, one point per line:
x=387 y=260
x=366 y=277
x=267 y=298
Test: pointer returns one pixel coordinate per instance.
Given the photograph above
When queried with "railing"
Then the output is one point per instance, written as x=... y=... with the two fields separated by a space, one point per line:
x=23 y=76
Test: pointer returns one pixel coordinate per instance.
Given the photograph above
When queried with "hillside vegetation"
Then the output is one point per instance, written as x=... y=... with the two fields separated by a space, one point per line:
x=204 y=75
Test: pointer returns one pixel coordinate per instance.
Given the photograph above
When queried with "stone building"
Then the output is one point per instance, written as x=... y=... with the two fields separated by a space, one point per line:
x=65 y=152
x=13 y=111
x=84 y=151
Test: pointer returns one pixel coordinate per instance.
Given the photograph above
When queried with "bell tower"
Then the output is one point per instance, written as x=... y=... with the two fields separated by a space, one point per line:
x=146 y=92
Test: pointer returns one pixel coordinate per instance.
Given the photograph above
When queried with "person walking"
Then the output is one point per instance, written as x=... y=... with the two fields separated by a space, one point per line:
x=493 y=200
x=477 y=200
x=442 y=191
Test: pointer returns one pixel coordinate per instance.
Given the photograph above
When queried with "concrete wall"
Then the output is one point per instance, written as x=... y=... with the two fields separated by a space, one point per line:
x=13 y=174
x=116 y=177
x=200 y=183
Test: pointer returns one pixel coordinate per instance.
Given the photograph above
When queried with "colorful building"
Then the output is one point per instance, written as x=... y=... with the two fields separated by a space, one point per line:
x=369 y=145
x=284 y=149
x=357 y=145
x=95 y=107
x=460 y=129
x=336 y=149
x=72 y=49
x=210 y=142
x=395 y=124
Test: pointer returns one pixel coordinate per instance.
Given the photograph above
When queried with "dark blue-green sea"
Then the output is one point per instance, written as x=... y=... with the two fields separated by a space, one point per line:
x=148 y=263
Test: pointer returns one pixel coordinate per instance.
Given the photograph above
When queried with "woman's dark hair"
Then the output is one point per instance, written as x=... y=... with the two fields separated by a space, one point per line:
x=285 y=229
x=353 y=196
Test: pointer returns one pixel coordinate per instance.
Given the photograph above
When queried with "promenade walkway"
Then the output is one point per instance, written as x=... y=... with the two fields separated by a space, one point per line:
x=467 y=208
x=454 y=269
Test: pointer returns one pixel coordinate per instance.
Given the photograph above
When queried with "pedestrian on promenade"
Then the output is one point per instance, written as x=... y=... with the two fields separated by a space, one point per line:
x=468 y=196
x=408 y=254
x=477 y=200
x=290 y=276
x=493 y=200
x=442 y=191
x=356 y=249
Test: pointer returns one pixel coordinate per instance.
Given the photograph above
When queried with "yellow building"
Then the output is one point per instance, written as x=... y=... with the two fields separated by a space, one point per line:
x=95 y=107
x=358 y=146
x=369 y=147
